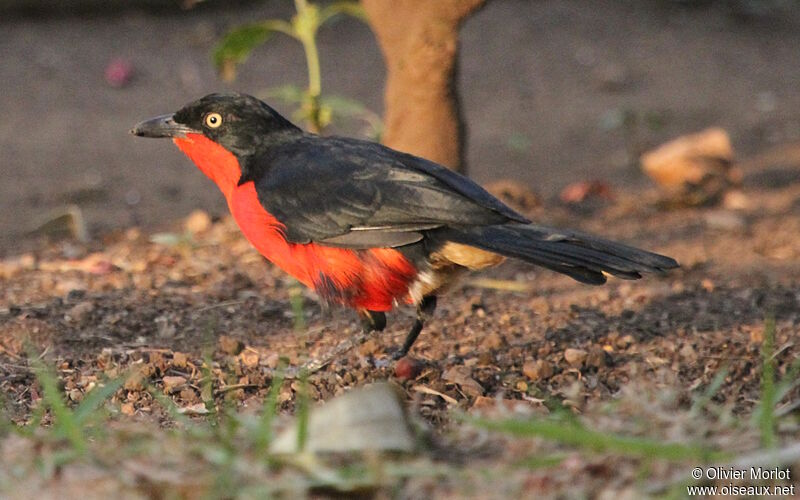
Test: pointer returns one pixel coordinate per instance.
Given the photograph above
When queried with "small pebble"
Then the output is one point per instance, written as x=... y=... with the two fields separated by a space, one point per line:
x=537 y=369
x=575 y=357
x=79 y=312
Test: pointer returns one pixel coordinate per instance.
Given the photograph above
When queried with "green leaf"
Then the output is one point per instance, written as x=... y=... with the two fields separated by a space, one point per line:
x=352 y=9
x=289 y=94
x=235 y=47
x=343 y=106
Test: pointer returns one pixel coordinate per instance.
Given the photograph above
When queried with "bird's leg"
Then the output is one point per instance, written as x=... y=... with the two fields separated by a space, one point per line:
x=372 y=321
x=424 y=311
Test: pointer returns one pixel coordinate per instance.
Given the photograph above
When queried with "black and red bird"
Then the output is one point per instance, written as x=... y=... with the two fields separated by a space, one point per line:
x=364 y=225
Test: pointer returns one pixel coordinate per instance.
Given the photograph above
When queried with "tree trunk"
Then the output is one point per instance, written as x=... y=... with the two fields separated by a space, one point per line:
x=419 y=40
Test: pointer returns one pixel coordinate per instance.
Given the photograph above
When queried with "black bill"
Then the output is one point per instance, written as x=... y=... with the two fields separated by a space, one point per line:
x=162 y=126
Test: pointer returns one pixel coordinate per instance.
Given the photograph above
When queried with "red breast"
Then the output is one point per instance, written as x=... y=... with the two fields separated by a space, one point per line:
x=370 y=279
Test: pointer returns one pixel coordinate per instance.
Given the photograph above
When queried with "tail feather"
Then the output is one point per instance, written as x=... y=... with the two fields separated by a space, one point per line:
x=581 y=256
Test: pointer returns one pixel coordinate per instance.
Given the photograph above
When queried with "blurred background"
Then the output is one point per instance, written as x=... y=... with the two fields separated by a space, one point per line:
x=552 y=93
x=670 y=125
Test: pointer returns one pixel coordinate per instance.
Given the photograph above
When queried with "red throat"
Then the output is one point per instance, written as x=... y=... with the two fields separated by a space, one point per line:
x=219 y=164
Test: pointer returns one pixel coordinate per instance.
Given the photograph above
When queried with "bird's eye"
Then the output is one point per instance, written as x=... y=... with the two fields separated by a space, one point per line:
x=213 y=120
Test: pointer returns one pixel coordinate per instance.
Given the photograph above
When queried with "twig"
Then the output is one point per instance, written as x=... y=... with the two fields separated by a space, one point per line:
x=781 y=349
x=427 y=390
x=787 y=408
x=314 y=365
x=44 y=351
x=221 y=304
x=9 y=366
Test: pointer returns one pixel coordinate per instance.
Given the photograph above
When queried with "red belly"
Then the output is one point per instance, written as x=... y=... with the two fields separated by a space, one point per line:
x=368 y=279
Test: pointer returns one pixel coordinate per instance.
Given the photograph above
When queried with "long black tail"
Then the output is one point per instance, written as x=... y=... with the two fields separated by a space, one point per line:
x=581 y=256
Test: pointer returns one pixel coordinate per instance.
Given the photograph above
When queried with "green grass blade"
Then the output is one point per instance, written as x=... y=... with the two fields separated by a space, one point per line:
x=6 y=426
x=207 y=386
x=94 y=398
x=701 y=402
x=303 y=411
x=766 y=409
x=65 y=422
x=263 y=436
x=35 y=421
x=298 y=305
x=575 y=435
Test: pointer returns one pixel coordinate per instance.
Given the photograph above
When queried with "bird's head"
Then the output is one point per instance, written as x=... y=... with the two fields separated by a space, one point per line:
x=221 y=132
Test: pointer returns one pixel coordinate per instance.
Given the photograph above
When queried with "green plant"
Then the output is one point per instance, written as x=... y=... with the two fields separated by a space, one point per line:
x=263 y=431
x=74 y=426
x=226 y=454
x=565 y=429
x=332 y=107
x=765 y=412
x=773 y=390
x=315 y=110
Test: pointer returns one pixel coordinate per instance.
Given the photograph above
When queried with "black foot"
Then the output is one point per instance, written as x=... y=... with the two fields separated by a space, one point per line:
x=411 y=337
x=424 y=311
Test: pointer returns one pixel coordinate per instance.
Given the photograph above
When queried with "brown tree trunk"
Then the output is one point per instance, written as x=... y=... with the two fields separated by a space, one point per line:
x=419 y=40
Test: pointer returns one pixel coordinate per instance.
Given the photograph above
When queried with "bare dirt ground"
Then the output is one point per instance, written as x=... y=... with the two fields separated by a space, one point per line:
x=127 y=299
x=204 y=296
x=583 y=104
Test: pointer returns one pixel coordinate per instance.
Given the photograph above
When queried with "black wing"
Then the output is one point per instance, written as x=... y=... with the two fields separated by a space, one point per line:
x=358 y=194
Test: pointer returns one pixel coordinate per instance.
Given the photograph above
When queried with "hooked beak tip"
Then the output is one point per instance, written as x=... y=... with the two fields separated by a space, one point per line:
x=160 y=126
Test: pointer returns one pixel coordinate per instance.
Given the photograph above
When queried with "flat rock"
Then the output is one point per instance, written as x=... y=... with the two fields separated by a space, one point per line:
x=368 y=418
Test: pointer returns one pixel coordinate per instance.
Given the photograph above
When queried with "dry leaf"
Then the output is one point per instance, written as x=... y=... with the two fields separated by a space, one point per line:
x=427 y=390
x=195 y=409
x=462 y=377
